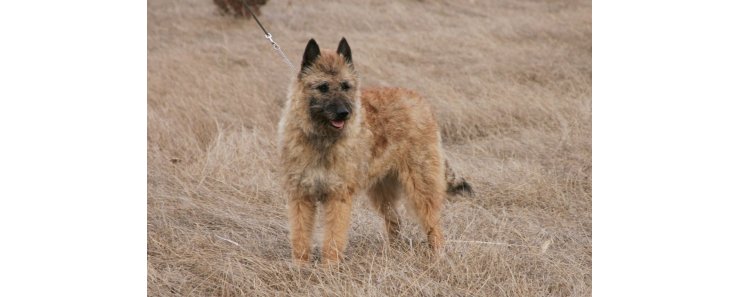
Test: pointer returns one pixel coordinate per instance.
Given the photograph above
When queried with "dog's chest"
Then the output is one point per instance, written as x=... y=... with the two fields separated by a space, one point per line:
x=320 y=182
x=322 y=173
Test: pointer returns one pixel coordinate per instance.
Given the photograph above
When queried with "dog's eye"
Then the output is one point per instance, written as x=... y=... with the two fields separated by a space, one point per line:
x=323 y=87
x=345 y=86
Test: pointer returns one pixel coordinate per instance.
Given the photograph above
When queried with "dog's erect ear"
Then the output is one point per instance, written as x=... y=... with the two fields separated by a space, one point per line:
x=345 y=51
x=310 y=54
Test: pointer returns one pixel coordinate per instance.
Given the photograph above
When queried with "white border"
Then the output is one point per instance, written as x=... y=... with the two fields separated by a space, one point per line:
x=665 y=148
x=73 y=153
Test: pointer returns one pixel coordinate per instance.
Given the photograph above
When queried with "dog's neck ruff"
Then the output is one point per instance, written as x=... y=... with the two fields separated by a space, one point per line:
x=323 y=141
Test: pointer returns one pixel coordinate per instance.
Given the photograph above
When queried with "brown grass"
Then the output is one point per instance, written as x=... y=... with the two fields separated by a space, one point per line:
x=510 y=82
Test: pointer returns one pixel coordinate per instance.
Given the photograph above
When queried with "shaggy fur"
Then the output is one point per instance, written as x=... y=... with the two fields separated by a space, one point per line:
x=336 y=140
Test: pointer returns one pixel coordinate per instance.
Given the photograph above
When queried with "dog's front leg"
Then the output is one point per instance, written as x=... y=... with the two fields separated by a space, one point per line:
x=336 y=224
x=301 y=211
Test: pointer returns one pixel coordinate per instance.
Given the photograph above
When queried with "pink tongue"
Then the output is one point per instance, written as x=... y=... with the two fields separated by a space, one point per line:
x=337 y=124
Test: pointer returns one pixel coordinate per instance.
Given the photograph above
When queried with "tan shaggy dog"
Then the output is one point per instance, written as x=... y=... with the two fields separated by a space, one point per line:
x=336 y=141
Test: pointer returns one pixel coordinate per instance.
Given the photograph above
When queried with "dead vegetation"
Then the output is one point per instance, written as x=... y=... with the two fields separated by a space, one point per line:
x=239 y=8
x=510 y=82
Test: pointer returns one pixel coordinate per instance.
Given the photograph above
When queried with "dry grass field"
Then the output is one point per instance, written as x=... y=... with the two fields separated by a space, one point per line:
x=510 y=81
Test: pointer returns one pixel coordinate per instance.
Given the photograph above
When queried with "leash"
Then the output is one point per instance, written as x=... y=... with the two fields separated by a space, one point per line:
x=274 y=44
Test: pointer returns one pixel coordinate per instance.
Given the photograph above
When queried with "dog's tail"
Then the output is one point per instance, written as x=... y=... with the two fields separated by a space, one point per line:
x=456 y=184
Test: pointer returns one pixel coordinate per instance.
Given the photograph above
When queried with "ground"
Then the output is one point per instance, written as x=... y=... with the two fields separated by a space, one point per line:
x=509 y=80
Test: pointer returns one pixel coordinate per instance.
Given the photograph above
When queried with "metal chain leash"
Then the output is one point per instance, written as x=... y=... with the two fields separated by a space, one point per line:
x=274 y=44
x=276 y=47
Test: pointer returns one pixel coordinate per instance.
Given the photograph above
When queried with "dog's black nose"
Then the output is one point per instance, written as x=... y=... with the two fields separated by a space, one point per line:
x=342 y=113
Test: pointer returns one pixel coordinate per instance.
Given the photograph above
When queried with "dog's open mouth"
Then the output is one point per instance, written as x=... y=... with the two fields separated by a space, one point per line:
x=338 y=124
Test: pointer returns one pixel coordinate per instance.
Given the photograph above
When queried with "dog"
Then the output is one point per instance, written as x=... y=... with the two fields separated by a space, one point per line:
x=336 y=140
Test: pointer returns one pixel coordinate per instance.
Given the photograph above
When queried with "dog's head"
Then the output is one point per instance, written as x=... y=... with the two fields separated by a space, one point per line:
x=329 y=85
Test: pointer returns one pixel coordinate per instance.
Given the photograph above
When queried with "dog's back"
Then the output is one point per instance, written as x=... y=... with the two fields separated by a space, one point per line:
x=400 y=120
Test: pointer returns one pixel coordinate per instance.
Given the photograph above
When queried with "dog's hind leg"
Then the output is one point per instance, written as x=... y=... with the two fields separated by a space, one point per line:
x=424 y=185
x=301 y=211
x=383 y=196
